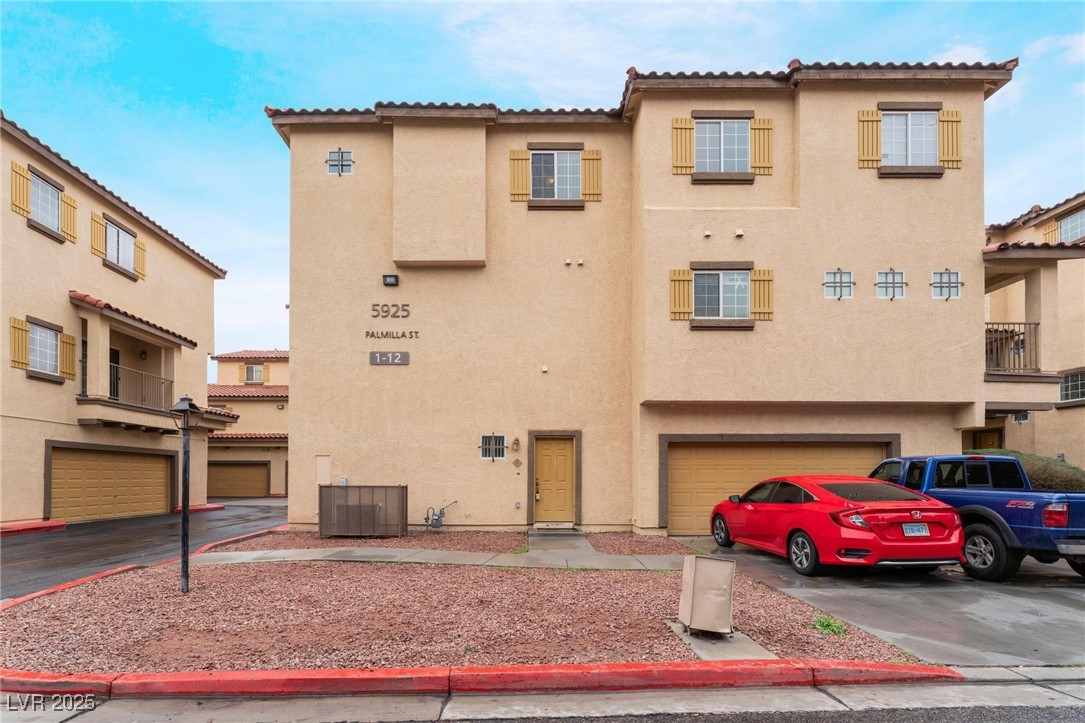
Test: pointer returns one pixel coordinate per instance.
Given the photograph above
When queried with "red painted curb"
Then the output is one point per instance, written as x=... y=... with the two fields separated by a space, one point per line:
x=629 y=676
x=26 y=681
x=849 y=672
x=284 y=682
x=65 y=586
x=200 y=508
x=24 y=528
x=212 y=545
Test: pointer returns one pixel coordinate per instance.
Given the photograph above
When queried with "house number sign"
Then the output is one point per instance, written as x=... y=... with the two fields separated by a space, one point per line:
x=396 y=358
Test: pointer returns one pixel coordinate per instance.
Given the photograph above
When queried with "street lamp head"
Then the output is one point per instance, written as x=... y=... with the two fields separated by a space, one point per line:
x=186 y=415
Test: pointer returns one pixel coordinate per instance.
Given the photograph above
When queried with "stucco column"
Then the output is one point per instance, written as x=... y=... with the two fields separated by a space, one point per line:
x=1042 y=305
x=97 y=335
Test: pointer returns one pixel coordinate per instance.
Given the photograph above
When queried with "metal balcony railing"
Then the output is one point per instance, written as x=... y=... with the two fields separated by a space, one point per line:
x=140 y=388
x=1013 y=347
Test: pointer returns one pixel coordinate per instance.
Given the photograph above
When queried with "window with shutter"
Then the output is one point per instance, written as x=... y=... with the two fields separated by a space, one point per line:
x=42 y=349
x=722 y=146
x=906 y=139
x=721 y=295
x=1071 y=229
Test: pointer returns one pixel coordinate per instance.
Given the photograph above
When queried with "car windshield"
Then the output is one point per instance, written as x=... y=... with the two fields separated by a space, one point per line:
x=872 y=492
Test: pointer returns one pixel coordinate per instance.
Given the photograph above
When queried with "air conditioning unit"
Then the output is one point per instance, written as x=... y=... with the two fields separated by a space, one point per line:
x=363 y=511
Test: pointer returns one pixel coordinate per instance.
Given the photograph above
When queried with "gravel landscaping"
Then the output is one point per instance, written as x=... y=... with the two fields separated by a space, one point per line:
x=464 y=541
x=630 y=543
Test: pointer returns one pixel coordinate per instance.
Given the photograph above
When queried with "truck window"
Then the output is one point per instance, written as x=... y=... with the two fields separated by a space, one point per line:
x=976 y=474
x=1006 y=476
x=914 y=479
x=949 y=474
x=887 y=471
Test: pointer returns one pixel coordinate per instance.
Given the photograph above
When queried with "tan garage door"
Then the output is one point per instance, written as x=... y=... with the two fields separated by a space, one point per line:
x=93 y=485
x=237 y=480
x=700 y=475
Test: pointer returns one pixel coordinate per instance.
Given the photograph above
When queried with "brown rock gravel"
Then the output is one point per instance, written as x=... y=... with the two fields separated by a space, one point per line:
x=376 y=615
x=464 y=541
x=630 y=543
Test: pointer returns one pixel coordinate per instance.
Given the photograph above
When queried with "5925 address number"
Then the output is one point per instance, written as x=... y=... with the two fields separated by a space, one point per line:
x=390 y=311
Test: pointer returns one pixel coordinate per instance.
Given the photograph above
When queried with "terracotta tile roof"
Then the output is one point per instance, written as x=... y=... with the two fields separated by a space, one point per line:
x=88 y=300
x=247 y=435
x=1075 y=246
x=219 y=412
x=255 y=391
x=11 y=126
x=273 y=112
x=1036 y=210
x=254 y=354
x=797 y=64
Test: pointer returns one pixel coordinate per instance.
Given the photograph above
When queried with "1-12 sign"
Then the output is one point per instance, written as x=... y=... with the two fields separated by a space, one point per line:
x=389 y=357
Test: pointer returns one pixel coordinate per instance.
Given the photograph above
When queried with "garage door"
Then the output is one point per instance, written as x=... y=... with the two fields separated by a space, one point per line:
x=237 y=480
x=94 y=485
x=700 y=475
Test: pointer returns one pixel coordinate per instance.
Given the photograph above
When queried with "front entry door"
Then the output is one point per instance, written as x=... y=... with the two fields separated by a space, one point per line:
x=555 y=471
x=988 y=439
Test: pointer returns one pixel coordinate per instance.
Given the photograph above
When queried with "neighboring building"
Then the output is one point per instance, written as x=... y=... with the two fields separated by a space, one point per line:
x=250 y=458
x=1039 y=248
x=616 y=318
x=110 y=321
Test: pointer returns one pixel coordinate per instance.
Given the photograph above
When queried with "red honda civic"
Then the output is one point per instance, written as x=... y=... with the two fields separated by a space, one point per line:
x=818 y=520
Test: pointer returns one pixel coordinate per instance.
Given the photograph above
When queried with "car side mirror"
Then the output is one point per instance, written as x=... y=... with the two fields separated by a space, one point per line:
x=734 y=498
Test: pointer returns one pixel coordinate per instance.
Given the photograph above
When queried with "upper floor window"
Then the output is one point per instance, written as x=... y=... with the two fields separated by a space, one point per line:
x=1072 y=387
x=910 y=138
x=555 y=174
x=1072 y=228
x=946 y=284
x=44 y=349
x=492 y=446
x=44 y=202
x=120 y=246
x=721 y=295
x=722 y=146
x=254 y=373
x=890 y=284
x=340 y=162
x=838 y=284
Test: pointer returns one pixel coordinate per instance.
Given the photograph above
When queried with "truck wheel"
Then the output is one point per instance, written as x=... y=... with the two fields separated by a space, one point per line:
x=1078 y=567
x=986 y=555
x=803 y=554
x=720 y=532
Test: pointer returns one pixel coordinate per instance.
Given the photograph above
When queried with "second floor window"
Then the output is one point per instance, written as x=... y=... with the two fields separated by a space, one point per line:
x=254 y=373
x=44 y=203
x=120 y=246
x=1072 y=387
x=890 y=284
x=340 y=162
x=1072 y=228
x=910 y=139
x=945 y=284
x=721 y=295
x=555 y=174
x=722 y=146
x=44 y=350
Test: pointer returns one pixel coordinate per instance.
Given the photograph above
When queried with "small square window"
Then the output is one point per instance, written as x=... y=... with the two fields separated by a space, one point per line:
x=1020 y=418
x=492 y=446
x=254 y=373
x=890 y=284
x=946 y=284
x=44 y=349
x=340 y=162
x=555 y=174
x=838 y=284
x=44 y=203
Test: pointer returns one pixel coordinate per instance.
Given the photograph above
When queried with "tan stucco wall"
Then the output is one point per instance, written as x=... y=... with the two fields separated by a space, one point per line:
x=276 y=456
x=257 y=415
x=36 y=275
x=227 y=371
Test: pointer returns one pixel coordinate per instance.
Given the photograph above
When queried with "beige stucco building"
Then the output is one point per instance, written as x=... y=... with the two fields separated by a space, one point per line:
x=616 y=318
x=249 y=459
x=1041 y=247
x=96 y=352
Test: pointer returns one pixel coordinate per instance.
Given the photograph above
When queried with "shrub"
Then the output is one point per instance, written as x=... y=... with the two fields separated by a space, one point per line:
x=1044 y=473
x=829 y=625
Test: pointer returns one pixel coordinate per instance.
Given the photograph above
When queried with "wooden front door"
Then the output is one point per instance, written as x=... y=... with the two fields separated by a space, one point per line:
x=555 y=479
x=988 y=439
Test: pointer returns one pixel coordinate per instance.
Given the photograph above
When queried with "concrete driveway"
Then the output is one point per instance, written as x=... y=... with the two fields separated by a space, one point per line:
x=33 y=562
x=1037 y=618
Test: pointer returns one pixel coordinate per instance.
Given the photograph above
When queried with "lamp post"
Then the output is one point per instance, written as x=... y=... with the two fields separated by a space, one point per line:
x=186 y=415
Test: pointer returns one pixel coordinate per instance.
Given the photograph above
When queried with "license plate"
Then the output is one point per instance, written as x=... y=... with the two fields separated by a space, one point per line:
x=918 y=529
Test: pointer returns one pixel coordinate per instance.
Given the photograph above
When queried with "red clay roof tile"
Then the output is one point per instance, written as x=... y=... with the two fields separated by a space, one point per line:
x=88 y=300
x=255 y=391
x=254 y=354
x=247 y=435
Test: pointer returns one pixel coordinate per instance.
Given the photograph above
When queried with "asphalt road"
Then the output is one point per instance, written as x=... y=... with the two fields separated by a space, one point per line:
x=33 y=562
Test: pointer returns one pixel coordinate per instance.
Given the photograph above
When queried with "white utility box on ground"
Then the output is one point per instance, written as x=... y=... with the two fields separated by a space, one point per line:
x=707 y=587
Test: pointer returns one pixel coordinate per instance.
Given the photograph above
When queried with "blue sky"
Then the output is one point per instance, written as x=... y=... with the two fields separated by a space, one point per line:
x=163 y=102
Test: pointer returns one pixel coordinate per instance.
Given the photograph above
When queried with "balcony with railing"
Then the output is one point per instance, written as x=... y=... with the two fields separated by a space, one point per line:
x=1013 y=348
x=141 y=389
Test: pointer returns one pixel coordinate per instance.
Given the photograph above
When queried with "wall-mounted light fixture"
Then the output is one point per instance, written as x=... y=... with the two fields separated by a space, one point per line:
x=143 y=354
x=515 y=446
x=391 y=279
x=280 y=406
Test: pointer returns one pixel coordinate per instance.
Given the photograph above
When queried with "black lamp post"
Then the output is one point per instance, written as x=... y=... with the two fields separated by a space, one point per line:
x=186 y=415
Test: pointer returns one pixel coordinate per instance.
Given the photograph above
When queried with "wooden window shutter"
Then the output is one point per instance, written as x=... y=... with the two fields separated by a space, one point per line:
x=591 y=175
x=97 y=235
x=1051 y=233
x=761 y=294
x=141 y=259
x=870 y=138
x=519 y=175
x=682 y=145
x=20 y=189
x=949 y=138
x=241 y=373
x=20 y=343
x=67 y=356
x=761 y=146
x=681 y=294
x=267 y=373
x=67 y=217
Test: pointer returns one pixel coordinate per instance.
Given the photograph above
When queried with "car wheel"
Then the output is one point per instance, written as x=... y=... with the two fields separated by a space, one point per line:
x=803 y=554
x=720 y=533
x=1078 y=567
x=987 y=556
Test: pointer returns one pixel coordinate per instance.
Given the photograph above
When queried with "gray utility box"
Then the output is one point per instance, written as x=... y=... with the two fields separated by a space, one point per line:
x=707 y=589
x=357 y=511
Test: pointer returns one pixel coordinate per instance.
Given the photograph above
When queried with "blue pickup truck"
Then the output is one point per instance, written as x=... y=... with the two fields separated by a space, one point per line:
x=1004 y=518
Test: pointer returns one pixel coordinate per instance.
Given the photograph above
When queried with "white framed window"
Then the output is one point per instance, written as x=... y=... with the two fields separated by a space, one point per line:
x=721 y=295
x=555 y=174
x=946 y=284
x=1072 y=387
x=44 y=202
x=1020 y=418
x=722 y=146
x=44 y=349
x=340 y=162
x=120 y=246
x=838 y=284
x=890 y=284
x=910 y=138
x=1072 y=228
x=254 y=373
x=492 y=446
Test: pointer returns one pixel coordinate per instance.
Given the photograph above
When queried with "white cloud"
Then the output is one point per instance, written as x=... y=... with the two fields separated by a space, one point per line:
x=1071 y=48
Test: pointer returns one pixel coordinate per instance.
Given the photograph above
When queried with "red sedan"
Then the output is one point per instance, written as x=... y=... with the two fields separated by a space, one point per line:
x=841 y=520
